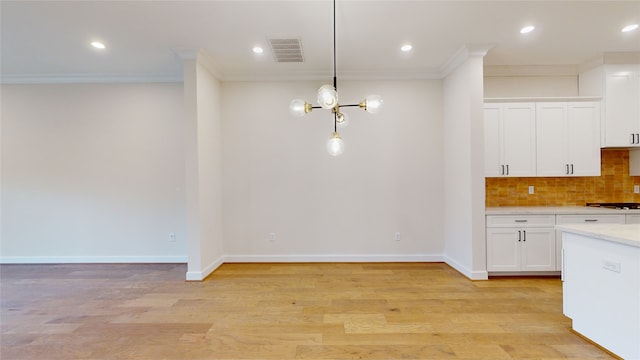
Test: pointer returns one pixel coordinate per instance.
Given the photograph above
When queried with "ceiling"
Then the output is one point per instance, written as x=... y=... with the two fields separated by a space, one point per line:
x=148 y=39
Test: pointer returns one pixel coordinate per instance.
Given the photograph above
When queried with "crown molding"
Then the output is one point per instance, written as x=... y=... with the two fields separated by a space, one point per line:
x=87 y=78
x=464 y=53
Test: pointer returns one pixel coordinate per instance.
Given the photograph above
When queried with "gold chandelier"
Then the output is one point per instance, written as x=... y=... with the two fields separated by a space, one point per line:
x=328 y=99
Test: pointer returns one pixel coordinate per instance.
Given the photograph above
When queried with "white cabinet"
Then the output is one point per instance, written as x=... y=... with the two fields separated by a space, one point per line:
x=568 y=138
x=582 y=219
x=633 y=219
x=619 y=85
x=509 y=134
x=634 y=162
x=521 y=243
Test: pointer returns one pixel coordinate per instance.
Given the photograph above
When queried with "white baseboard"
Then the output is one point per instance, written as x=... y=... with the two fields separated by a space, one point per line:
x=201 y=275
x=331 y=258
x=473 y=275
x=90 y=259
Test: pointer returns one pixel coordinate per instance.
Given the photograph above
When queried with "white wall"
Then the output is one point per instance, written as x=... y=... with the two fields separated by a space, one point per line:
x=464 y=191
x=530 y=86
x=92 y=173
x=278 y=177
x=203 y=170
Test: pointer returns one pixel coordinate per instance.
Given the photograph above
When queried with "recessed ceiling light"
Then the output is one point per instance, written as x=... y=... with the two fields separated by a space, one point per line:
x=98 y=45
x=406 y=47
x=629 y=28
x=527 y=29
x=258 y=49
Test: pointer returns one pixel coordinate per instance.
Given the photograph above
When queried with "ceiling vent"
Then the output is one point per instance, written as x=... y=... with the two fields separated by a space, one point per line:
x=286 y=50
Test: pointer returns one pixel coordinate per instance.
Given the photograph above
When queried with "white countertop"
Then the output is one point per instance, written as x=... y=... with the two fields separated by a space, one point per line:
x=628 y=234
x=561 y=210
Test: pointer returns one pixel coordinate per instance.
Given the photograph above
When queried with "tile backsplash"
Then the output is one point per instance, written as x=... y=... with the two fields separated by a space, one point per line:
x=613 y=185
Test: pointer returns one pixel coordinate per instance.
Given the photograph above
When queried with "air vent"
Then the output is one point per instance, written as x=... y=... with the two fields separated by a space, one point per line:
x=286 y=50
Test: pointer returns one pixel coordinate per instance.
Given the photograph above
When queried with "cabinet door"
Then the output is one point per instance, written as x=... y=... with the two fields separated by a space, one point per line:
x=503 y=249
x=539 y=249
x=492 y=115
x=633 y=219
x=519 y=139
x=583 y=128
x=622 y=105
x=552 y=139
x=568 y=139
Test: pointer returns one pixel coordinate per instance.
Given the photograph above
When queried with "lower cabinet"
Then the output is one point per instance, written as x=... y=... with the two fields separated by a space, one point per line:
x=633 y=219
x=582 y=219
x=521 y=243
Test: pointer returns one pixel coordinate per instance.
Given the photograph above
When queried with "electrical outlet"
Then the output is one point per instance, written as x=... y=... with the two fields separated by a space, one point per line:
x=272 y=236
x=396 y=236
x=172 y=237
x=531 y=190
x=636 y=189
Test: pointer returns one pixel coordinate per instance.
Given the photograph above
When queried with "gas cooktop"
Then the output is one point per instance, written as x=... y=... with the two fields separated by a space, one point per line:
x=620 y=205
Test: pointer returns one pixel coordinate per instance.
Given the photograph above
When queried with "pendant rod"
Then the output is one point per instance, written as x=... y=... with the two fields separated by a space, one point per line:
x=335 y=79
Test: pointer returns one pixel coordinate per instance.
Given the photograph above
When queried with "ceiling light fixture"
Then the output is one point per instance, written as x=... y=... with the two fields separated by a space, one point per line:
x=527 y=29
x=328 y=99
x=257 y=50
x=406 y=47
x=629 y=28
x=98 y=45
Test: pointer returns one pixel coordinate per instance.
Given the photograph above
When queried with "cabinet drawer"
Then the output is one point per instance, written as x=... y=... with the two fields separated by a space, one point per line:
x=586 y=219
x=520 y=220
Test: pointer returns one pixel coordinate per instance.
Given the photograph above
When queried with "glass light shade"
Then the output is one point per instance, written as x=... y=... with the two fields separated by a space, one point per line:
x=335 y=145
x=298 y=107
x=327 y=96
x=372 y=104
x=342 y=120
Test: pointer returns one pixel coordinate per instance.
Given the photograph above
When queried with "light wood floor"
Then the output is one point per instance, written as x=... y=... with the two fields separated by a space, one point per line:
x=281 y=311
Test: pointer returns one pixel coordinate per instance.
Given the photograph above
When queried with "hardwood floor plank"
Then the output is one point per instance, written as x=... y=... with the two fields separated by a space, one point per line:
x=280 y=311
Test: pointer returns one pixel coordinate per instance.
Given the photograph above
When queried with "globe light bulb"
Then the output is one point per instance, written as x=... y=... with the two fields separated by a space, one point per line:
x=335 y=145
x=372 y=104
x=327 y=97
x=299 y=107
x=342 y=120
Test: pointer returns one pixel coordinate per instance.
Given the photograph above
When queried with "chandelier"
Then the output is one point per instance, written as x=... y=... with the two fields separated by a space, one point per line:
x=328 y=99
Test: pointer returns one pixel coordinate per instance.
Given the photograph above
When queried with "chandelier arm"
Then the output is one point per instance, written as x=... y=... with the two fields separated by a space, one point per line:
x=335 y=121
x=350 y=105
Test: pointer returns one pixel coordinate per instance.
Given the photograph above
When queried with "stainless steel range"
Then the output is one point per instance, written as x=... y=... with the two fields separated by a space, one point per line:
x=619 y=205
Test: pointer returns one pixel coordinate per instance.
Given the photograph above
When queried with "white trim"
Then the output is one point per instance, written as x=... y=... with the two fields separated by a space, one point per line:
x=473 y=275
x=201 y=275
x=464 y=53
x=90 y=259
x=88 y=78
x=332 y=258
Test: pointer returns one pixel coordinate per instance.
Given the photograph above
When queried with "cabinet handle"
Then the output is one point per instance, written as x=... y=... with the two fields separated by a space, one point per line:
x=571 y=169
x=521 y=221
x=502 y=172
x=567 y=171
x=590 y=220
x=519 y=236
x=524 y=235
x=633 y=138
x=507 y=169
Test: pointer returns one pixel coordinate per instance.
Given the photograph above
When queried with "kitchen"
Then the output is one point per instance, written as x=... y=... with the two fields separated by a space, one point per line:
x=573 y=224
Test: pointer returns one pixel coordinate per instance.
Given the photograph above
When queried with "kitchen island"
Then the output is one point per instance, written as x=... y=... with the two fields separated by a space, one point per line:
x=601 y=284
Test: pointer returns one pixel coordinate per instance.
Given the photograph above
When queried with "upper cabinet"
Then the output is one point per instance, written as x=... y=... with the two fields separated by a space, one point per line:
x=509 y=139
x=619 y=85
x=568 y=139
x=551 y=138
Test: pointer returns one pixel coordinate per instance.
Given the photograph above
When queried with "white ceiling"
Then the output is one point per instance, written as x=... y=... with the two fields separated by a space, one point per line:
x=50 y=39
